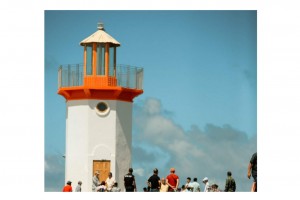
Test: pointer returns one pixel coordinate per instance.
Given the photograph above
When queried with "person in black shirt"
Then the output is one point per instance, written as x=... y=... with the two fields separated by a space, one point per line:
x=252 y=169
x=129 y=181
x=154 y=181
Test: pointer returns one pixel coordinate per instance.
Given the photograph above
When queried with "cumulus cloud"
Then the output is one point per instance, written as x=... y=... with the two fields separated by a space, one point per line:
x=144 y=156
x=197 y=153
x=139 y=171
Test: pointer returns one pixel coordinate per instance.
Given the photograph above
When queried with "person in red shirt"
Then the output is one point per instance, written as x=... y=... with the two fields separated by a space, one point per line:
x=172 y=180
x=68 y=187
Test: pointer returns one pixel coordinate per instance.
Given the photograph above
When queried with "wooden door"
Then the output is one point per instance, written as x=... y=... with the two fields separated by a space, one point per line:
x=103 y=166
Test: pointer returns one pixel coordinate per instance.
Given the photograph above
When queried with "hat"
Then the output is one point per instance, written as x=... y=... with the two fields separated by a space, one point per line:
x=172 y=169
x=97 y=172
x=69 y=182
x=205 y=179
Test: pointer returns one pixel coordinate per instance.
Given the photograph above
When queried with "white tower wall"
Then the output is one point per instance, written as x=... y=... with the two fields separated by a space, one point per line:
x=92 y=136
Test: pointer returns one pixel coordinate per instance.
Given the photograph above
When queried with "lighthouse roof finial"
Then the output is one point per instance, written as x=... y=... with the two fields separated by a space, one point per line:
x=100 y=36
x=100 y=26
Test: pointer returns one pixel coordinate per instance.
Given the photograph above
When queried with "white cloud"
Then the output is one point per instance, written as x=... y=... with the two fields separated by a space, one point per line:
x=196 y=153
x=152 y=106
x=139 y=171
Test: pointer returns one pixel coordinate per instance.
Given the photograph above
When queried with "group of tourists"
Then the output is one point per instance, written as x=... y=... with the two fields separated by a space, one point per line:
x=171 y=184
x=109 y=185
x=68 y=187
x=167 y=184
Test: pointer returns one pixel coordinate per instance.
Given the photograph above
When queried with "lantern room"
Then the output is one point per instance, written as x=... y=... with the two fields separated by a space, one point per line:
x=100 y=59
x=99 y=77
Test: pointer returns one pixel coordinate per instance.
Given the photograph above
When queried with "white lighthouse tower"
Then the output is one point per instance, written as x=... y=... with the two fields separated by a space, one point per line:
x=99 y=96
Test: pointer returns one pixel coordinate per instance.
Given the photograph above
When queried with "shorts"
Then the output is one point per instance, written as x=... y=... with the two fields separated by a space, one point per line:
x=129 y=189
x=255 y=178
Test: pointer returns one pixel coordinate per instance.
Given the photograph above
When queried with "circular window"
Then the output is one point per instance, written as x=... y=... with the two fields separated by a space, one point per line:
x=102 y=108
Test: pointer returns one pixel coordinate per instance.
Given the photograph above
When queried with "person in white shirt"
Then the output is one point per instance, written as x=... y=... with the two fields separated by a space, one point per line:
x=78 y=188
x=96 y=182
x=109 y=182
x=206 y=183
x=115 y=188
x=196 y=186
x=188 y=185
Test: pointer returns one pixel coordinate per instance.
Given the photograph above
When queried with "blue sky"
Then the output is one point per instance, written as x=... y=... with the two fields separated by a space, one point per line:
x=200 y=89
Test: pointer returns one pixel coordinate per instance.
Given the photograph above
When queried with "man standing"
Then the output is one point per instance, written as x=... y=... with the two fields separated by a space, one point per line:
x=172 y=180
x=109 y=182
x=78 y=187
x=230 y=183
x=68 y=187
x=129 y=181
x=206 y=183
x=96 y=182
x=188 y=185
x=196 y=186
x=252 y=169
x=154 y=181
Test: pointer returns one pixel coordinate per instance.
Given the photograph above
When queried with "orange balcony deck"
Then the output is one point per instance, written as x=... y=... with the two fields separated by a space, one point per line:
x=125 y=86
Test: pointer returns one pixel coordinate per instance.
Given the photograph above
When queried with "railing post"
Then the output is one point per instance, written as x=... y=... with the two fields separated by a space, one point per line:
x=59 y=76
x=128 y=76
x=77 y=75
x=69 y=69
x=136 y=78
x=142 y=79
x=81 y=76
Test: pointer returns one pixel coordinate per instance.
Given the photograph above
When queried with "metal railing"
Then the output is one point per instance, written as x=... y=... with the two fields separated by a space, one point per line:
x=130 y=77
x=70 y=75
x=127 y=76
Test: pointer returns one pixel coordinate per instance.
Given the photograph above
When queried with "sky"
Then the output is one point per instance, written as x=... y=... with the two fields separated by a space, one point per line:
x=198 y=112
x=25 y=155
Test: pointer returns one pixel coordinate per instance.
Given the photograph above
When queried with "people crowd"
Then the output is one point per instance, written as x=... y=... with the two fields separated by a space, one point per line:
x=170 y=183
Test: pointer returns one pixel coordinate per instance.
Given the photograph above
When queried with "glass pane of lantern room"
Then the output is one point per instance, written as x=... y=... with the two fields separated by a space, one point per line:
x=112 y=63
x=89 y=60
x=101 y=59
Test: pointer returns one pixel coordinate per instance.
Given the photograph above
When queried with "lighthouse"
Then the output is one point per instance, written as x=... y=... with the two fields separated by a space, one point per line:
x=99 y=96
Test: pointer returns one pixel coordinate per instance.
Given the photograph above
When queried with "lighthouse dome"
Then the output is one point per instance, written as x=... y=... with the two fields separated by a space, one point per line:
x=100 y=36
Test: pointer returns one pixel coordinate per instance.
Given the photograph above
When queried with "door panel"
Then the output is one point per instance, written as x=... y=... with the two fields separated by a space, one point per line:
x=103 y=166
